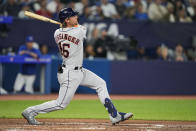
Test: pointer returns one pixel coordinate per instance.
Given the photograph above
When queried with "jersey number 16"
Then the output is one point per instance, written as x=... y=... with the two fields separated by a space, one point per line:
x=63 y=48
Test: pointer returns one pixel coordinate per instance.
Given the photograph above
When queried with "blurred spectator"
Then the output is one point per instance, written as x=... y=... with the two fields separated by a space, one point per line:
x=35 y=5
x=164 y=53
x=71 y=5
x=190 y=7
x=157 y=12
x=95 y=35
x=194 y=17
x=192 y=51
x=2 y=8
x=79 y=6
x=92 y=13
x=97 y=13
x=141 y=52
x=178 y=5
x=129 y=3
x=44 y=49
x=135 y=51
x=89 y=52
x=121 y=55
x=120 y=7
x=21 y=13
x=140 y=13
x=66 y=1
x=10 y=51
x=12 y=8
x=3 y=27
x=164 y=2
x=158 y=52
x=4 y=30
x=148 y=2
x=100 y=45
x=43 y=10
x=182 y=16
x=170 y=17
x=143 y=4
x=26 y=76
x=130 y=13
x=117 y=47
x=54 y=6
x=179 y=54
x=109 y=10
x=87 y=13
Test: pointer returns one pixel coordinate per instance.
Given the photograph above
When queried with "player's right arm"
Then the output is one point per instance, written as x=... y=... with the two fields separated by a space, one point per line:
x=22 y=51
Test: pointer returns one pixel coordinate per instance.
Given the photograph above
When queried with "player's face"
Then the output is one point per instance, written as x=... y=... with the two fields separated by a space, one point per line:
x=72 y=21
x=29 y=45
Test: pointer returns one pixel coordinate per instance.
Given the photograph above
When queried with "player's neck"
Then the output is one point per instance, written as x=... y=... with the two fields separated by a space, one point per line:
x=70 y=25
x=67 y=26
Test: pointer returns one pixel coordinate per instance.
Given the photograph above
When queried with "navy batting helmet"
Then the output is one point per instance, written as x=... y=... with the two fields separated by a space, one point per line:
x=66 y=13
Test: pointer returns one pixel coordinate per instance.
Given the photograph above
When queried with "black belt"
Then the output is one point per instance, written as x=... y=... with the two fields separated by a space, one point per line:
x=75 y=68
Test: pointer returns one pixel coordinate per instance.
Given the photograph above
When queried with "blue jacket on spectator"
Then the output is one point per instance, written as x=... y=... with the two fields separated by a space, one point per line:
x=28 y=69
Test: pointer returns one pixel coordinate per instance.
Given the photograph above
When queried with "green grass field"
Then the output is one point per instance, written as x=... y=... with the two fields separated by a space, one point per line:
x=142 y=109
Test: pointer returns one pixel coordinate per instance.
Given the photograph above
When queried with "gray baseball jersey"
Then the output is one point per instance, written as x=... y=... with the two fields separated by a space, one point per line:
x=70 y=43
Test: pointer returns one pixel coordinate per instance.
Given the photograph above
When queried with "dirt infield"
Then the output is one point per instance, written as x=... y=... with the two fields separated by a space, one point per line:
x=95 y=125
x=91 y=124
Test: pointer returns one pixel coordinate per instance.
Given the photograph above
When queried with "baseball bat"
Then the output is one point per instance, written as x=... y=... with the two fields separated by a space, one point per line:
x=42 y=18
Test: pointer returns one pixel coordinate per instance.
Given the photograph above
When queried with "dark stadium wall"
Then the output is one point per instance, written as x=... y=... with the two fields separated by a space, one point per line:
x=153 y=77
x=126 y=77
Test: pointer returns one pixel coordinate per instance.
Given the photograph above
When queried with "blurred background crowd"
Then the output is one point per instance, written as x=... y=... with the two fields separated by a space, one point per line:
x=103 y=45
x=155 y=10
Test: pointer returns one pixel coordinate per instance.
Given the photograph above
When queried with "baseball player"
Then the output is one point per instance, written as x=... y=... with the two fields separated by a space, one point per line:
x=71 y=74
x=27 y=76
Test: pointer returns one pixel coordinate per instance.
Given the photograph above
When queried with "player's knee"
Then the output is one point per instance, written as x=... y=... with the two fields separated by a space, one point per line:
x=63 y=106
x=60 y=107
x=103 y=84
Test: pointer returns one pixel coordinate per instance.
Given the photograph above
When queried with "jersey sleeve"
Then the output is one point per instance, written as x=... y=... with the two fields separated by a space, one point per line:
x=83 y=30
x=113 y=9
x=55 y=36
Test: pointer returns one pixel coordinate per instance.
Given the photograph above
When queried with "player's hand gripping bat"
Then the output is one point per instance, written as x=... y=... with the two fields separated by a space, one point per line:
x=42 y=18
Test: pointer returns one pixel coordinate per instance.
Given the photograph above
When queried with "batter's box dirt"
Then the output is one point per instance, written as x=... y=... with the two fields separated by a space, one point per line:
x=95 y=125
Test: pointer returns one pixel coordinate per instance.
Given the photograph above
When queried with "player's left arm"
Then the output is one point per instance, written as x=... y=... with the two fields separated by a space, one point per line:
x=34 y=55
x=83 y=30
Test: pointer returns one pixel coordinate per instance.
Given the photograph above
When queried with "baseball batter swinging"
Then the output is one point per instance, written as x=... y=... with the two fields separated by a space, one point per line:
x=71 y=74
